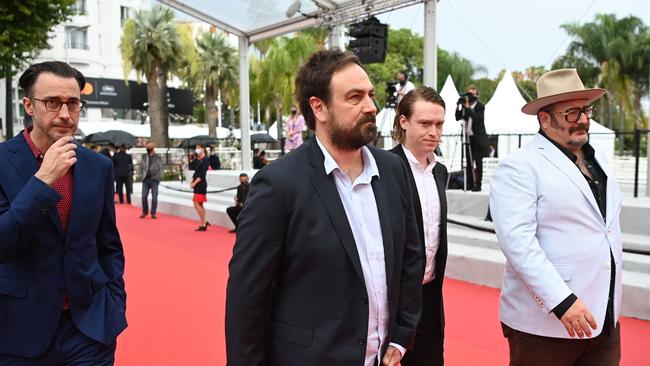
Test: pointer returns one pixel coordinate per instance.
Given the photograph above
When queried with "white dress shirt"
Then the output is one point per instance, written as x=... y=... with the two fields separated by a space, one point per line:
x=430 y=203
x=358 y=200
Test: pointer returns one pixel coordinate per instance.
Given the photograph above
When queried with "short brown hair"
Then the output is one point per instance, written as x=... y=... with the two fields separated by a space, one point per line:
x=58 y=68
x=405 y=108
x=315 y=76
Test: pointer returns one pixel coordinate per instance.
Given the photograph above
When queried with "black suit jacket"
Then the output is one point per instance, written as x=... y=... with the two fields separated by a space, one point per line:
x=122 y=164
x=296 y=293
x=440 y=175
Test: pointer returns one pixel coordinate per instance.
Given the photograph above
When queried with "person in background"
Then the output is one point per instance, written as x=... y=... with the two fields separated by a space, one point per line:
x=62 y=295
x=403 y=85
x=151 y=171
x=418 y=129
x=215 y=162
x=257 y=162
x=295 y=125
x=555 y=205
x=240 y=198
x=200 y=185
x=470 y=109
x=123 y=167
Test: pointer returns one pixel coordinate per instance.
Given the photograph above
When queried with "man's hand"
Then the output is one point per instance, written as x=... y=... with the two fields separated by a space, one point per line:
x=192 y=184
x=578 y=320
x=392 y=357
x=57 y=160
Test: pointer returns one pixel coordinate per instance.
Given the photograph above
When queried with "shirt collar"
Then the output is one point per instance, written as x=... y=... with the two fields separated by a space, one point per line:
x=431 y=157
x=369 y=164
x=37 y=153
x=587 y=149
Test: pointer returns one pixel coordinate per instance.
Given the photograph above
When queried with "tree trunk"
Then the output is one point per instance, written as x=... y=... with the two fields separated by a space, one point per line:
x=211 y=110
x=157 y=108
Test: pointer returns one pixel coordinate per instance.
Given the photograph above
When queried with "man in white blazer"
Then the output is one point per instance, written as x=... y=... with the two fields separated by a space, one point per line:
x=555 y=205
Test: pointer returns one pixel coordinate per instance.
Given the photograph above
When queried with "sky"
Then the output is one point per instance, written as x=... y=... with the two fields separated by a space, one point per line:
x=511 y=34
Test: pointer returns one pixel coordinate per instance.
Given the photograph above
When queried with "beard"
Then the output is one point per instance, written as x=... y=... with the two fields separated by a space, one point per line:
x=572 y=141
x=362 y=132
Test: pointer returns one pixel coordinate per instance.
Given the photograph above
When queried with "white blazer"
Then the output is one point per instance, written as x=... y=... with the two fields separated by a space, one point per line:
x=554 y=238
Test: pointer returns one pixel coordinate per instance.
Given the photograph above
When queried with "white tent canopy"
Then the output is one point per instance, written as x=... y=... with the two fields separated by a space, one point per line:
x=450 y=145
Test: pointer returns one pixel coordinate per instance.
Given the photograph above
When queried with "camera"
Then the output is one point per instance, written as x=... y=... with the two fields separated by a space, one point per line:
x=467 y=97
x=391 y=93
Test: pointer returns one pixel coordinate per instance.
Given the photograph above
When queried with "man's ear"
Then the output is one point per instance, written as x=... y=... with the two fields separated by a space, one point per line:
x=544 y=119
x=318 y=107
x=402 y=121
x=29 y=107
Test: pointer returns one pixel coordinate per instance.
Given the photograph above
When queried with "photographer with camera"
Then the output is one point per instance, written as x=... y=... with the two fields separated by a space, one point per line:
x=403 y=85
x=471 y=111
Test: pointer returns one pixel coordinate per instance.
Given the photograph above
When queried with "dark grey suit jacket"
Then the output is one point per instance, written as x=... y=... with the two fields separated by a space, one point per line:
x=296 y=293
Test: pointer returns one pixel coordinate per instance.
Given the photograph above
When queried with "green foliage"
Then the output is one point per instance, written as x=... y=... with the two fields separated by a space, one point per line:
x=150 y=43
x=613 y=54
x=24 y=29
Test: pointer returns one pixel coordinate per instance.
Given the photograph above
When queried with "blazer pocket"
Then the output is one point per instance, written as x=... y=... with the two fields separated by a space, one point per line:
x=299 y=336
x=12 y=288
x=564 y=270
x=98 y=279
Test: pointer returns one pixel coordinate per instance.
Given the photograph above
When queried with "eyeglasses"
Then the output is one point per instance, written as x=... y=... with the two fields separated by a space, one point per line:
x=54 y=105
x=572 y=115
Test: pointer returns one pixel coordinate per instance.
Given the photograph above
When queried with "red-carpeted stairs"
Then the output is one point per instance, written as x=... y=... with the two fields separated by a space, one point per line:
x=176 y=282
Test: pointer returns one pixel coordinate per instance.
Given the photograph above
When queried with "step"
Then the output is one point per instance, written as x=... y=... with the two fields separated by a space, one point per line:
x=484 y=266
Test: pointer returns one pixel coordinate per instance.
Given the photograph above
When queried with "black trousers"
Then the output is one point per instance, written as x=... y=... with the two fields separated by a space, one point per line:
x=430 y=336
x=233 y=213
x=123 y=183
x=532 y=350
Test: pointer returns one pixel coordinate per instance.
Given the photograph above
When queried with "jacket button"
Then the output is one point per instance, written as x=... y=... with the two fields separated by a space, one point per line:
x=45 y=211
x=364 y=300
x=361 y=341
x=67 y=251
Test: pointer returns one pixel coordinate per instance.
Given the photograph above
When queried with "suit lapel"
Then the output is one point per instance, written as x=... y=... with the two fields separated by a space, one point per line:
x=557 y=158
x=24 y=162
x=329 y=196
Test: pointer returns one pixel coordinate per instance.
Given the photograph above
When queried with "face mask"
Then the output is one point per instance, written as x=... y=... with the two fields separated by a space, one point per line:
x=293 y=112
x=402 y=82
x=149 y=150
x=198 y=151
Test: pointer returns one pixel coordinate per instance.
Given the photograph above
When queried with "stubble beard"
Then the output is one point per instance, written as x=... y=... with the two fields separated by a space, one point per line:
x=576 y=142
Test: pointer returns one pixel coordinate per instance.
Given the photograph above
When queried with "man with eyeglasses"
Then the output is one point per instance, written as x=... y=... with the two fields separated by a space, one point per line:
x=62 y=297
x=555 y=206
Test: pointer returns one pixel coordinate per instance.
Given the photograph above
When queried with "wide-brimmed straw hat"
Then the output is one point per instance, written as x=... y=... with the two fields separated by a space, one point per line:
x=559 y=86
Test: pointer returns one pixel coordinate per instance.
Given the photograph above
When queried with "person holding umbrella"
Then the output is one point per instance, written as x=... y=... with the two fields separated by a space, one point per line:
x=200 y=186
x=123 y=167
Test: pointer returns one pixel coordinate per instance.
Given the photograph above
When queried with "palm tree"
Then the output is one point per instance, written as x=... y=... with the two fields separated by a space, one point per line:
x=618 y=48
x=150 y=46
x=278 y=69
x=217 y=70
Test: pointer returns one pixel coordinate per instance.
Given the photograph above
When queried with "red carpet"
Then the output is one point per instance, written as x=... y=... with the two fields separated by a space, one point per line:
x=176 y=282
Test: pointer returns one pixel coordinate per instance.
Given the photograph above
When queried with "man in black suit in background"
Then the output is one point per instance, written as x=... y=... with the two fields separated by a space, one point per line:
x=472 y=112
x=240 y=198
x=123 y=167
x=327 y=267
x=418 y=128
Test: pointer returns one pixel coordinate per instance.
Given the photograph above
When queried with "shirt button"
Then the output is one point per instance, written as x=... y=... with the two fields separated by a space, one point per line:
x=608 y=265
x=361 y=341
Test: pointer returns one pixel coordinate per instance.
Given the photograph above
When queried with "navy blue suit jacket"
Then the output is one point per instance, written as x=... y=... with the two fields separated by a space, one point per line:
x=40 y=262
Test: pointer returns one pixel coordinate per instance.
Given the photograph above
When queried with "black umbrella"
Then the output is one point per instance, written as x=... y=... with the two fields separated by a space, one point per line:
x=115 y=137
x=257 y=138
x=199 y=140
